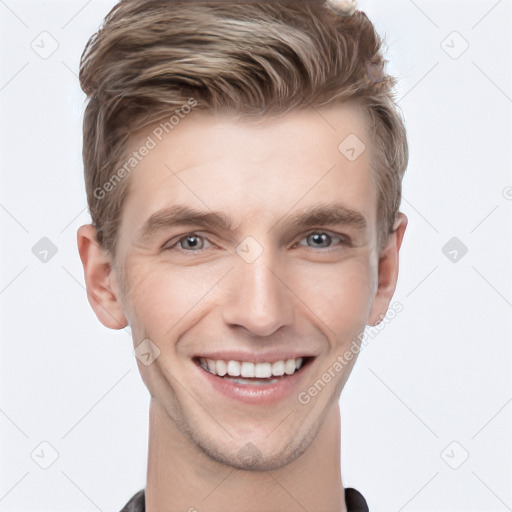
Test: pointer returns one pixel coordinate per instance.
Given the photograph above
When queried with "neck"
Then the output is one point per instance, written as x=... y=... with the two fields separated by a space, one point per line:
x=181 y=477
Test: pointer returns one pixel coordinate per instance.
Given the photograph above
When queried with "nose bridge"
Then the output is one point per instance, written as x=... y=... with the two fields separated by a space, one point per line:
x=258 y=298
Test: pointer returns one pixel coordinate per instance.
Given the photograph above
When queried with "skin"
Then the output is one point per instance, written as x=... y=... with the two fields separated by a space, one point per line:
x=311 y=295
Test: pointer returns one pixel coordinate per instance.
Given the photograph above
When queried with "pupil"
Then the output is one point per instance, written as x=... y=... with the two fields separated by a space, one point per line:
x=192 y=241
x=320 y=238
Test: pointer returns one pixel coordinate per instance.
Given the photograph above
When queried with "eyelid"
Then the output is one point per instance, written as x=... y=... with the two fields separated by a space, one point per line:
x=174 y=241
x=344 y=239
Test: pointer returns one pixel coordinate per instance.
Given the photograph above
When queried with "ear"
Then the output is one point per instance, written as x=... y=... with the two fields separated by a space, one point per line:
x=100 y=279
x=388 y=271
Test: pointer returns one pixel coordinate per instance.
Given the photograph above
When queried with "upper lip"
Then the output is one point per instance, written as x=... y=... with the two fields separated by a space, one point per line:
x=250 y=357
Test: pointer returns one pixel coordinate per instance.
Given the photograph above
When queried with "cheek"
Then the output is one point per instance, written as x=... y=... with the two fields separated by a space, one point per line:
x=340 y=295
x=163 y=298
x=163 y=301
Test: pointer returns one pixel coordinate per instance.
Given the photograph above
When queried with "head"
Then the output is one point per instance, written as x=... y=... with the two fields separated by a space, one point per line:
x=243 y=166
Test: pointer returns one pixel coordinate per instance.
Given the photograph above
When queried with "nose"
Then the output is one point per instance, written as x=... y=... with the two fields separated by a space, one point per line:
x=259 y=298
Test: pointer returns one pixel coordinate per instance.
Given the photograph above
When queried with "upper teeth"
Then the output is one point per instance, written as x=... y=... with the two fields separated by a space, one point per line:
x=248 y=370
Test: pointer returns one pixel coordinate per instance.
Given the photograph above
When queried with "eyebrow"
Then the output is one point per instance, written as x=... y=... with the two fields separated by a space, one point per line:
x=328 y=215
x=320 y=215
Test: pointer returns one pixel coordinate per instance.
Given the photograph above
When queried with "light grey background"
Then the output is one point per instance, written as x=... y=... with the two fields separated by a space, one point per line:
x=432 y=388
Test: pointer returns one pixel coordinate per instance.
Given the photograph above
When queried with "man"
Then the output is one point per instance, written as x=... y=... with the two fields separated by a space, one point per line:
x=243 y=166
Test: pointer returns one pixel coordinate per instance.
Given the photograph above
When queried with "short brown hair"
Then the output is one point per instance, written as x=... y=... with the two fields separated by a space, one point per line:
x=249 y=58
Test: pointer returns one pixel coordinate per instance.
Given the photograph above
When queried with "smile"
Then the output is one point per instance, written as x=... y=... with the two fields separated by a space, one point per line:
x=251 y=370
x=256 y=383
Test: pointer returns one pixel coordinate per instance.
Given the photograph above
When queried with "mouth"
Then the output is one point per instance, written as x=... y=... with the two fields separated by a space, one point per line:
x=255 y=383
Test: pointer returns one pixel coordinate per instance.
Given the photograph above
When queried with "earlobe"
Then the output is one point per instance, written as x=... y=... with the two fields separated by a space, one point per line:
x=98 y=274
x=388 y=271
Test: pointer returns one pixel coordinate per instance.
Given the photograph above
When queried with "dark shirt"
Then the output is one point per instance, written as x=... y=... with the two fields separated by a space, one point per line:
x=354 y=500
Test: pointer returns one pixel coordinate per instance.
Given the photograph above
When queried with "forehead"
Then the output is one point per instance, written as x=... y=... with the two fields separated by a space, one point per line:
x=264 y=168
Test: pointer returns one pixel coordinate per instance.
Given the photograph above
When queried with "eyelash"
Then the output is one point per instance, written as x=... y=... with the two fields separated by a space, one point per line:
x=343 y=241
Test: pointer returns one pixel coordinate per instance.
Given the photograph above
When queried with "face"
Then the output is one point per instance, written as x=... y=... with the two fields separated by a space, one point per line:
x=247 y=256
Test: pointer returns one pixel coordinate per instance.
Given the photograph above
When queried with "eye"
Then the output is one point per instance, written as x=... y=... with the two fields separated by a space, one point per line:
x=191 y=242
x=322 y=240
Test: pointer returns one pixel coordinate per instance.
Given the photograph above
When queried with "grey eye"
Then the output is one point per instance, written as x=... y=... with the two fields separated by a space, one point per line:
x=319 y=240
x=192 y=242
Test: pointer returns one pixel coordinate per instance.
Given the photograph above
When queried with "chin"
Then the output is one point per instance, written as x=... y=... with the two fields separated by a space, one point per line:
x=253 y=453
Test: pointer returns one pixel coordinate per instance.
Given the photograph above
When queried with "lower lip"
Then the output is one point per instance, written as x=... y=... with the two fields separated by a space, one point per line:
x=253 y=393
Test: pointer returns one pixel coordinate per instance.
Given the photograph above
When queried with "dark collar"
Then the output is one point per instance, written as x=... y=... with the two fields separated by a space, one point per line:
x=353 y=498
